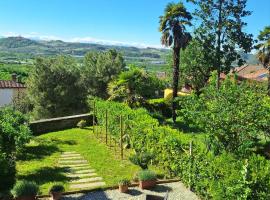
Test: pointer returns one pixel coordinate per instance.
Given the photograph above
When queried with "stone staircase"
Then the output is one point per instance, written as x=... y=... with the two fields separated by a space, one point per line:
x=81 y=175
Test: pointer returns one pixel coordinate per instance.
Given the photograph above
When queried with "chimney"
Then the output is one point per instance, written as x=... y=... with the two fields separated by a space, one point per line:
x=14 y=77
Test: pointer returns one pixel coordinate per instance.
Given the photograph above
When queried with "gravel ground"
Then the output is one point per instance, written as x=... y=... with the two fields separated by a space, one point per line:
x=177 y=191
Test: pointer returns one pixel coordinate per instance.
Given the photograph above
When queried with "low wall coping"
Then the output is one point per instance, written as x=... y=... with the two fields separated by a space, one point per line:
x=60 y=118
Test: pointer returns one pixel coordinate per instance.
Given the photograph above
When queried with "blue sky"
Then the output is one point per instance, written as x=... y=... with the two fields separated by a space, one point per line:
x=132 y=22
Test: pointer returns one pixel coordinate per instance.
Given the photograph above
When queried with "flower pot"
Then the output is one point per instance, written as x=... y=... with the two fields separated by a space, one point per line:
x=123 y=188
x=147 y=184
x=33 y=197
x=56 y=195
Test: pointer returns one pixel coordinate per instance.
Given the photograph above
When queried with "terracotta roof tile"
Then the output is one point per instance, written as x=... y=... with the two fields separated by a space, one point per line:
x=10 y=84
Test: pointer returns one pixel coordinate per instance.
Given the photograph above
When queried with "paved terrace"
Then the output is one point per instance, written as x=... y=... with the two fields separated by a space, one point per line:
x=177 y=191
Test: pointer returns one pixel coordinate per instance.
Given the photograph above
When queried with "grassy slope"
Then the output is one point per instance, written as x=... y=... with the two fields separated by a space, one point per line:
x=39 y=161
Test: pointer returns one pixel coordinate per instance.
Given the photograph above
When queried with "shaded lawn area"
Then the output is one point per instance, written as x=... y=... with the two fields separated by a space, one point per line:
x=39 y=161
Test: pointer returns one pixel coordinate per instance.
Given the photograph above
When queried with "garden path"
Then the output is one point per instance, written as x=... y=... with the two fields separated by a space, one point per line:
x=81 y=175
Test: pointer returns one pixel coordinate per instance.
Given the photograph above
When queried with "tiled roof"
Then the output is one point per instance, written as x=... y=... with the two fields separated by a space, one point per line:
x=10 y=84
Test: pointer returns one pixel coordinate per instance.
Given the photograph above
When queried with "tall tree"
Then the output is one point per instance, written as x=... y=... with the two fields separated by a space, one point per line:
x=264 y=51
x=221 y=27
x=99 y=69
x=54 y=89
x=196 y=65
x=172 y=27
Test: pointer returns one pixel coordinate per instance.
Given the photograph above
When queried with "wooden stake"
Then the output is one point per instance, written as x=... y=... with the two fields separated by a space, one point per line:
x=94 y=117
x=121 y=136
x=190 y=165
x=106 y=128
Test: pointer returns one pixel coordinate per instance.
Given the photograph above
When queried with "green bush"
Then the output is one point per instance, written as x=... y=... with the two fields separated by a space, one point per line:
x=24 y=188
x=82 y=124
x=147 y=175
x=161 y=106
x=14 y=134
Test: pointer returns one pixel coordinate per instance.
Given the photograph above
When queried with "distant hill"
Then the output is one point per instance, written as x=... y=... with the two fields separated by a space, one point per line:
x=20 y=47
x=41 y=47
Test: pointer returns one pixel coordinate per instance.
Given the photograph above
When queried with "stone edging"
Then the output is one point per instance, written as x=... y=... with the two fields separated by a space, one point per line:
x=109 y=188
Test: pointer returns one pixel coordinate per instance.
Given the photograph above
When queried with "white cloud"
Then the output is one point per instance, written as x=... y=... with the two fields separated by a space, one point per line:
x=38 y=36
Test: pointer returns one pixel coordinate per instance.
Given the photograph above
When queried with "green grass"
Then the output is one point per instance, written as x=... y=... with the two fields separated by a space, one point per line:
x=39 y=160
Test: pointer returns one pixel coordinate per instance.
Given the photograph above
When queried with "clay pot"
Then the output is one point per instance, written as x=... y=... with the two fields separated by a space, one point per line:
x=147 y=184
x=123 y=188
x=56 y=195
x=33 y=197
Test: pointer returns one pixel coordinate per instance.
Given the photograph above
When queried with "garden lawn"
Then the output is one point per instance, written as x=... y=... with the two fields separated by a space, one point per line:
x=39 y=161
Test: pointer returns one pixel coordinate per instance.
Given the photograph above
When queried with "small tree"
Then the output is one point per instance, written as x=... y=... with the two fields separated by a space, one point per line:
x=264 y=51
x=14 y=134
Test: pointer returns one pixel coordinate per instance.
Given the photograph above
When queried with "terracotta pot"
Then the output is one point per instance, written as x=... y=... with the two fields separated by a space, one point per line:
x=56 y=195
x=33 y=197
x=123 y=188
x=147 y=184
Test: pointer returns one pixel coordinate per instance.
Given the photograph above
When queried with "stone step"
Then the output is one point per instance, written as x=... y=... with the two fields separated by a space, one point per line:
x=69 y=152
x=73 y=165
x=83 y=171
x=87 y=180
x=87 y=185
x=72 y=161
x=71 y=158
x=69 y=155
x=78 y=168
x=70 y=175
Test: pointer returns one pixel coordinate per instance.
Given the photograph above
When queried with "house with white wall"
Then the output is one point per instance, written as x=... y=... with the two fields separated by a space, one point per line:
x=10 y=91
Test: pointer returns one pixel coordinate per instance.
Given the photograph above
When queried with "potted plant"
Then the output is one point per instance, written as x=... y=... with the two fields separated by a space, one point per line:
x=123 y=185
x=56 y=191
x=147 y=179
x=25 y=190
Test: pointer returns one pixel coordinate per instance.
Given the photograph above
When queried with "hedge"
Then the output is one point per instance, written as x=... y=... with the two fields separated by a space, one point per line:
x=212 y=177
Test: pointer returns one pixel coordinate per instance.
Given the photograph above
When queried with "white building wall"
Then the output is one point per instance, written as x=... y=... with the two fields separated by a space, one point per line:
x=6 y=96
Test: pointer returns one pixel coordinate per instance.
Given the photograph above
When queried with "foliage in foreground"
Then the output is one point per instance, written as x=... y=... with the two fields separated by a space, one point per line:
x=14 y=133
x=224 y=176
x=234 y=116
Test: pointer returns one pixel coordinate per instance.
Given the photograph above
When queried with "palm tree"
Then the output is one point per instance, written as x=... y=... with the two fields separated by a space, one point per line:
x=264 y=52
x=172 y=27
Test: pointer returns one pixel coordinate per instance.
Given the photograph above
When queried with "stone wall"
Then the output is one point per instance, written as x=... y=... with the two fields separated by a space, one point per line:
x=61 y=123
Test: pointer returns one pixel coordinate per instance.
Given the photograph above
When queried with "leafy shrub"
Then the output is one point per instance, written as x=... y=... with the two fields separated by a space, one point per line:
x=57 y=188
x=147 y=175
x=14 y=134
x=24 y=188
x=124 y=181
x=82 y=124
x=141 y=159
x=161 y=106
